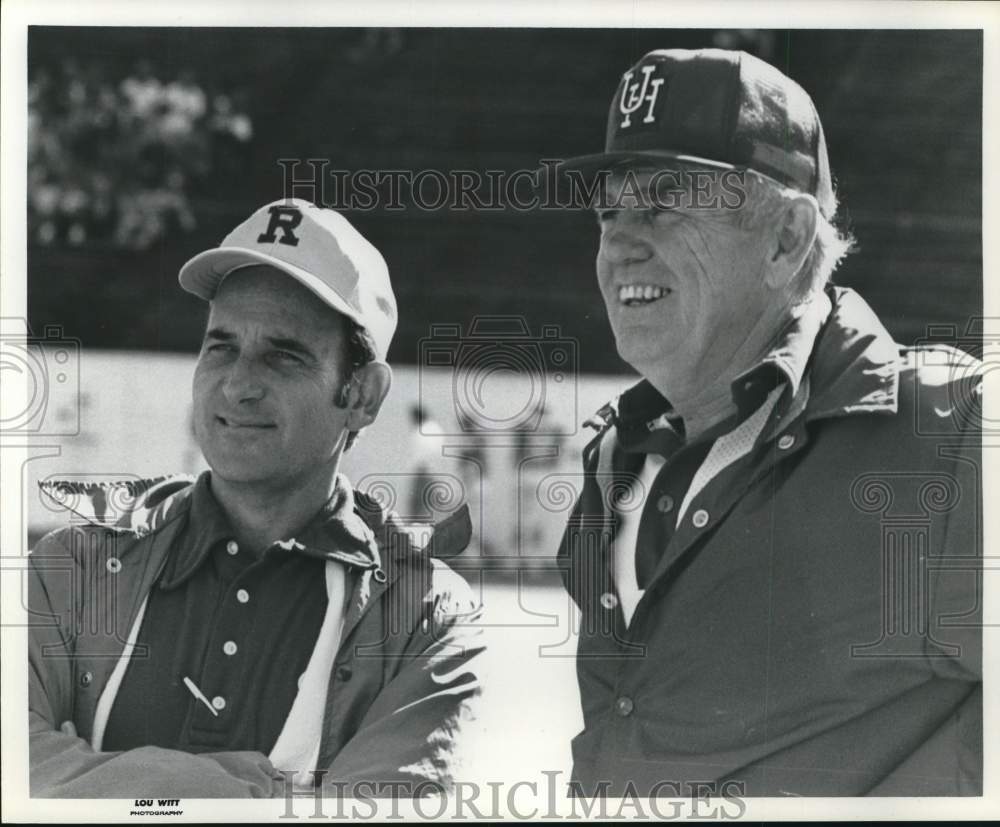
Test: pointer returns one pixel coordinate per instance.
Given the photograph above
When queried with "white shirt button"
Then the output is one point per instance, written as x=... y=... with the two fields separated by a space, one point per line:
x=232 y=547
x=229 y=647
x=700 y=518
x=609 y=600
x=786 y=442
x=219 y=703
x=243 y=596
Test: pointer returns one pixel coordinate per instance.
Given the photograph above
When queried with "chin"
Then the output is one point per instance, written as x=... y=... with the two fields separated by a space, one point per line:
x=236 y=474
x=235 y=468
x=638 y=353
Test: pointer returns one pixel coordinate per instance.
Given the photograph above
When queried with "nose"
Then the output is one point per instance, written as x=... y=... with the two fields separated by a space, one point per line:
x=241 y=383
x=622 y=239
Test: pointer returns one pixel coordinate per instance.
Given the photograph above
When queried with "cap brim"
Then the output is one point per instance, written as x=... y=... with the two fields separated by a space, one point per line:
x=598 y=162
x=606 y=160
x=203 y=274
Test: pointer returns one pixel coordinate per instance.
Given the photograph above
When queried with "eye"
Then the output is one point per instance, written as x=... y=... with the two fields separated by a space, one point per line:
x=605 y=215
x=665 y=215
x=288 y=357
x=218 y=347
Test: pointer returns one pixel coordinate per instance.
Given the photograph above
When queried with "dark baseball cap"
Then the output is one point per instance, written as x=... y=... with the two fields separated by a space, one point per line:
x=718 y=109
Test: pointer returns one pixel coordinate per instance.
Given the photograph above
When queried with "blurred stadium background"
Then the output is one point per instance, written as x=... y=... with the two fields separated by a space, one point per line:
x=147 y=145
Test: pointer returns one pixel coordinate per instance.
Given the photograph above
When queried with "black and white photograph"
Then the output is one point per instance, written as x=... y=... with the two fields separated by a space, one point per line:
x=484 y=416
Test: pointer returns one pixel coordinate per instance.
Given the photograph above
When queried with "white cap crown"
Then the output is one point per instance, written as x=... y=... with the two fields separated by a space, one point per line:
x=317 y=247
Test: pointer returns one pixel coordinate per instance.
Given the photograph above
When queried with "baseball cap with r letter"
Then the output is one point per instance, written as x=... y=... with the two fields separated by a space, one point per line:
x=318 y=248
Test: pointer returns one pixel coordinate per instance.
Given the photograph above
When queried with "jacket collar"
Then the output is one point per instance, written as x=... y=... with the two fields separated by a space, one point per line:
x=337 y=532
x=834 y=356
x=855 y=364
x=127 y=506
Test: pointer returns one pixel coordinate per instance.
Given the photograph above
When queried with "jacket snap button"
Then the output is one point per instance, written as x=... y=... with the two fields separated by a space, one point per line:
x=786 y=442
x=114 y=565
x=379 y=576
x=700 y=518
x=86 y=679
x=665 y=504
x=344 y=673
x=609 y=600
x=624 y=706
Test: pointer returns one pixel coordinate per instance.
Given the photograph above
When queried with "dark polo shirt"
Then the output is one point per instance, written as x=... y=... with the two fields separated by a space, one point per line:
x=242 y=628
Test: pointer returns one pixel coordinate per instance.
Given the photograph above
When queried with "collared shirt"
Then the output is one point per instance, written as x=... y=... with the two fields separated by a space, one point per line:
x=661 y=464
x=241 y=629
x=646 y=422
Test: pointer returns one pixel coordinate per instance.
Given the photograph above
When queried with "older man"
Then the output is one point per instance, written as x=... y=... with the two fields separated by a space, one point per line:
x=265 y=623
x=775 y=547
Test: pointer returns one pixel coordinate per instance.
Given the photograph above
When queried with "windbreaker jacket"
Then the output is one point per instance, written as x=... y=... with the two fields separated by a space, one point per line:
x=402 y=690
x=813 y=626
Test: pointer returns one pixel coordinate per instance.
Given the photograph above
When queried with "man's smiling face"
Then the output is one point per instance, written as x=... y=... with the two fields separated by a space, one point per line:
x=681 y=286
x=269 y=374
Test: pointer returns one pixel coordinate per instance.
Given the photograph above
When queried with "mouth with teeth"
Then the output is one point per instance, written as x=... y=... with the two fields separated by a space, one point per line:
x=635 y=295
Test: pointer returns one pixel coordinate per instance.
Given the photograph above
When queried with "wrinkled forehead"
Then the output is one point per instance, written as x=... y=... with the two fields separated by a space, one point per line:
x=673 y=187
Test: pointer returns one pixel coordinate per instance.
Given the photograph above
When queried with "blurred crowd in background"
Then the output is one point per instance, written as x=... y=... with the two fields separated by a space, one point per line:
x=147 y=145
x=115 y=159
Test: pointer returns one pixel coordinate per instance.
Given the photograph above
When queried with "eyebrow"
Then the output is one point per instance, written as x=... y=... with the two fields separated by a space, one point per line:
x=280 y=342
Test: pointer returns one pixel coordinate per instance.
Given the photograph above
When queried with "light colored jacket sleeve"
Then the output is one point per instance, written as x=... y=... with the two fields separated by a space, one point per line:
x=418 y=735
x=65 y=766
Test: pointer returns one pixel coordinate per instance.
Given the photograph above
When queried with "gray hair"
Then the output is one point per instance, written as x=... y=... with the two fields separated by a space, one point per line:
x=765 y=199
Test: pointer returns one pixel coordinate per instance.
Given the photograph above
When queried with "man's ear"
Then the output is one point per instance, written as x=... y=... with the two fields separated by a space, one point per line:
x=794 y=237
x=364 y=393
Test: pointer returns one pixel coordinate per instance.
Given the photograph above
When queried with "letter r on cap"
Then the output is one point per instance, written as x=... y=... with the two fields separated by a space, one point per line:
x=285 y=219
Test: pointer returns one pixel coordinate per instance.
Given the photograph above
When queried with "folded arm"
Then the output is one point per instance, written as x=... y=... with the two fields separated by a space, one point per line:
x=65 y=766
x=62 y=765
x=415 y=738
